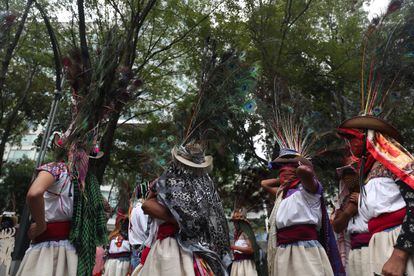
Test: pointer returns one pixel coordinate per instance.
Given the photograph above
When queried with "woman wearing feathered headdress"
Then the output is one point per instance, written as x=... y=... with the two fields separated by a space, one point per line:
x=301 y=241
x=386 y=179
x=246 y=251
x=119 y=250
x=192 y=236
x=350 y=225
x=52 y=200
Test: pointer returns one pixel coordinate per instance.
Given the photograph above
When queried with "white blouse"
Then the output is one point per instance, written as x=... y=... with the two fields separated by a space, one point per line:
x=301 y=207
x=138 y=224
x=382 y=196
x=58 y=197
x=358 y=224
x=119 y=245
x=241 y=242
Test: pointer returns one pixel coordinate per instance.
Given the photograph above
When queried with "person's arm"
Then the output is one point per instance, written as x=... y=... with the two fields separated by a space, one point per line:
x=36 y=203
x=270 y=185
x=344 y=214
x=154 y=209
x=246 y=250
x=404 y=247
x=307 y=178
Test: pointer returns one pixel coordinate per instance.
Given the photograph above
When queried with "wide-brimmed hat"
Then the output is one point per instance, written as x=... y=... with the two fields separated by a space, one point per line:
x=58 y=142
x=290 y=156
x=374 y=123
x=192 y=155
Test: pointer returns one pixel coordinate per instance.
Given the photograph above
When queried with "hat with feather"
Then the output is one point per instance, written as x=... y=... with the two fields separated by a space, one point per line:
x=294 y=144
x=387 y=52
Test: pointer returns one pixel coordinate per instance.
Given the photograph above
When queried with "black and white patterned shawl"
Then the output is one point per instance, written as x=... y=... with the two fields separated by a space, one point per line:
x=195 y=204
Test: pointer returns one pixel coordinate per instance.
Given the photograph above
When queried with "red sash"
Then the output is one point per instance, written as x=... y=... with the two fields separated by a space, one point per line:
x=144 y=254
x=166 y=230
x=386 y=220
x=55 y=231
x=359 y=240
x=242 y=256
x=119 y=255
x=295 y=233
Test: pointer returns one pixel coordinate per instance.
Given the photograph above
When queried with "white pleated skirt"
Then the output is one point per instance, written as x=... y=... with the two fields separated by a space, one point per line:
x=302 y=258
x=243 y=268
x=381 y=246
x=116 y=267
x=166 y=258
x=49 y=259
x=358 y=260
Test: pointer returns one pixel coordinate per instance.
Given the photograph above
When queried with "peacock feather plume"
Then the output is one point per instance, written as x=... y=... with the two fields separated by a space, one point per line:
x=224 y=90
x=387 y=51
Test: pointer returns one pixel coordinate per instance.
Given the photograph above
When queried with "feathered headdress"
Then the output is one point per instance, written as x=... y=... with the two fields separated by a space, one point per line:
x=387 y=51
x=294 y=143
x=95 y=94
x=223 y=95
x=223 y=92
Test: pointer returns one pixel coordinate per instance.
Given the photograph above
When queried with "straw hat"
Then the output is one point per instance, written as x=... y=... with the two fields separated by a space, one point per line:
x=192 y=155
x=374 y=123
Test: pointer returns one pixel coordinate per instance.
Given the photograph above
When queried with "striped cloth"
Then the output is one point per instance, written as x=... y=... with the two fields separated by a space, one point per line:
x=88 y=223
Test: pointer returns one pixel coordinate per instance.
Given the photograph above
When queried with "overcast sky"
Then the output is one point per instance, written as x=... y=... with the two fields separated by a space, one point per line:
x=377 y=7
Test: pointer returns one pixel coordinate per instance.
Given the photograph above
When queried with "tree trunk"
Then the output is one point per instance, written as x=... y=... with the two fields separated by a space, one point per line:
x=106 y=146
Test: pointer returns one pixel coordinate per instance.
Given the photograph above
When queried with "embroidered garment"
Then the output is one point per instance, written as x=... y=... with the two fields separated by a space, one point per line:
x=196 y=206
x=405 y=240
x=58 y=197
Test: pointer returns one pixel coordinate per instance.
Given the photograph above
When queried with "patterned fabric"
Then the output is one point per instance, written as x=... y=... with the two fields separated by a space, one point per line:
x=88 y=223
x=405 y=240
x=195 y=204
x=392 y=155
x=54 y=168
x=379 y=170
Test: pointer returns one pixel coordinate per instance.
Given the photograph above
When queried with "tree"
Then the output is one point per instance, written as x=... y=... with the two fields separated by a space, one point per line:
x=14 y=183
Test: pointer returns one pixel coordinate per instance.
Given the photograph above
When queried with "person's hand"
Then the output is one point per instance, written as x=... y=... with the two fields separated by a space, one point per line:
x=304 y=172
x=233 y=247
x=35 y=230
x=354 y=198
x=396 y=264
x=351 y=209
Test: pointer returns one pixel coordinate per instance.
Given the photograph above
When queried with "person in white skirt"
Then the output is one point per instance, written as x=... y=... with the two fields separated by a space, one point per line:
x=192 y=233
x=347 y=219
x=119 y=251
x=246 y=251
x=50 y=199
x=387 y=199
x=301 y=240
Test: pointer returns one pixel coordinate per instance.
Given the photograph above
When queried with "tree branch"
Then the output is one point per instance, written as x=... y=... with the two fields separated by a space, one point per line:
x=82 y=38
x=55 y=46
x=9 y=52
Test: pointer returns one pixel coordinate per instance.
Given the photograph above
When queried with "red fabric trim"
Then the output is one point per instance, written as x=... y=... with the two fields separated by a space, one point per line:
x=350 y=132
x=144 y=254
x=166 y=230
x=242 y=256
x=295 y=233
x=386 y=220
x=402 y=175
x=55 y=231
x=359 y=240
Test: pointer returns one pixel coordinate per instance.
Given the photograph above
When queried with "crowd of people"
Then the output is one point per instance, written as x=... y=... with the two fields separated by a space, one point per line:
x=177 y=225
